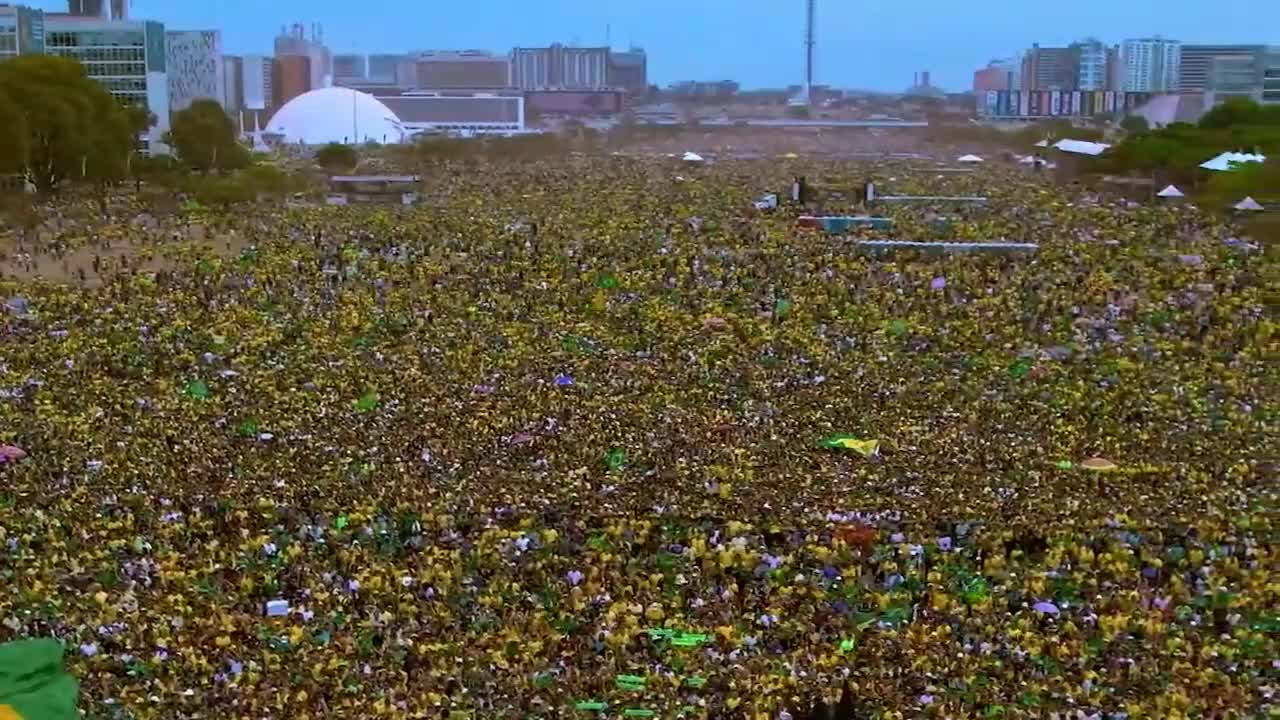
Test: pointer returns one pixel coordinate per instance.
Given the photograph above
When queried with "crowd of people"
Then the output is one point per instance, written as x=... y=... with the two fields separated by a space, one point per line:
x=594 y=437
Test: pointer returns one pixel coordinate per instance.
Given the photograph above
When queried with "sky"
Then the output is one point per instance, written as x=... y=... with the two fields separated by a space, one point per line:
x=865 y=44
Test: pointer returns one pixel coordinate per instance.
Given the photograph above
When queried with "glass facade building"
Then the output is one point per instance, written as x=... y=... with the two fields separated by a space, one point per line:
x=21 y=31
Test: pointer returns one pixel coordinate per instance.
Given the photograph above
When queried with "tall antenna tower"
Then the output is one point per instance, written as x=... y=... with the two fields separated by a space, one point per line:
x=810 y=41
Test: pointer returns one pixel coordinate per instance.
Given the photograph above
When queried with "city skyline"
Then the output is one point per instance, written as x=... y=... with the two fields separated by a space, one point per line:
x=686 y=41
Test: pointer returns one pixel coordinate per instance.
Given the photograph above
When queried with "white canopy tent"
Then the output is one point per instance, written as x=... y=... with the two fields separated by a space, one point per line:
x=692 y=157
x=969 y=159
x=1081 y=147
x=1227 y=159
x=1249 y=205
x=1043 y=143
x=1170 y=192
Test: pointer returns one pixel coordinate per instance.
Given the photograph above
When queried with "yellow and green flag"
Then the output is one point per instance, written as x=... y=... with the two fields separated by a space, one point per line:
x=33 y=684
x=843 y=441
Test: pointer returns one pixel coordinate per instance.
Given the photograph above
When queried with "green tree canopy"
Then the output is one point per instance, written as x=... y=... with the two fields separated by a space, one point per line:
x=1135 y=124
x=73 y=126
x=204 y=138
x=336 y=157
x=13 y=135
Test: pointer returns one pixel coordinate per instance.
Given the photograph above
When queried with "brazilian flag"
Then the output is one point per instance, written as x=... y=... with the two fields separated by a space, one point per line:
x=844 y=441
x=33 y=685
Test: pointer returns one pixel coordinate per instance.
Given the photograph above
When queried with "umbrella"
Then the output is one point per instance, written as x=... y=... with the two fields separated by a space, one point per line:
x=1249 y=204
x=11 y=453
x=1170 y=192
x=1045 y=608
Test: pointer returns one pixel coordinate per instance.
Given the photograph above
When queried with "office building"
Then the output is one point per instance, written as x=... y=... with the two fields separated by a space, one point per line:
x=125 y=56
x=291 y=77
x=1050 y=68
x=193 y=61
x=295 y=43
x=102 y=9
x=460 y=70
x=1255 y=76
x=1091 y=71
x=998 y=75
x=1195 y=62
x=258 y=78
x=349 y=69
x=560 y=68
x=1151 y=64
x=232 y=83
x=383 y=69
x=21 y=31
x=629 y=71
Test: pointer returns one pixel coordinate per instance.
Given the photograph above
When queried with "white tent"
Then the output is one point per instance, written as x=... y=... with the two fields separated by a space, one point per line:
x=1081 y=147
x=1249 y=204
x=1043 y=143
x=692 y=157
x=1227 y=159
x=1170 y=192
x=969 y=159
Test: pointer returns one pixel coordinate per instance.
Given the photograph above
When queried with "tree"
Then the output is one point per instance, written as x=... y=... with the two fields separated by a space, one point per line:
x=1234 y=112
x=13 y=135
x=205 y=138
x=74 y=128
x=336 y=157
x=1135 y=124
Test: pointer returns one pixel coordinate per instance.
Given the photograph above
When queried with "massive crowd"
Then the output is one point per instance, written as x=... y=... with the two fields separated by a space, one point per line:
x=594 y=437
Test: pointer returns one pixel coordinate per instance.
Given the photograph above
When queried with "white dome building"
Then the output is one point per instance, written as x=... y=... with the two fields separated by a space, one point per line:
x=335 y=114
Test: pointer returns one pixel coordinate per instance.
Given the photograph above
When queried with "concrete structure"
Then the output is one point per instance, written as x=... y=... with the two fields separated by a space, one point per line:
x=1195 y=62
x=258 y=77
x=560 y=68
x=193 y=60
x=102 y=9
x=460 y=70
x=291 y=77
x=349 y=69
x=629 y=71
x=382 y=68
x=1256 y=77
x=577 y=103
x=1091 y=71
x=1050 y=68
x=232 y=83
x=380 y=189
x=458 y=113
x=21 y=31
x=997 y=75
x=295 y=43
x=1151 y=64
x=334 y=114
x=698 y=89
x=1271 y=77
x=125 y=56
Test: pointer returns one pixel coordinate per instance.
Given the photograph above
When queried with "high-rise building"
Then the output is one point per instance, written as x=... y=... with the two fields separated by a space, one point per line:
x=349 y=69
x=193 y=60
x=1195 y=62
x=103 y=9
x=292 y=78
x=1151 y=64
x=295 y=43
x=1050 y=68
x=21 y=31
x=997 y=75
x=232 y=83
x=257 y=77
x=629 y=71
x=560 y=68
x=1091 y=72
x=461 y=70
x=125 y=56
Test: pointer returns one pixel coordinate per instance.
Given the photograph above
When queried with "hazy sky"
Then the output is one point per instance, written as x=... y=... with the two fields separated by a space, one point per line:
x=875 y=44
